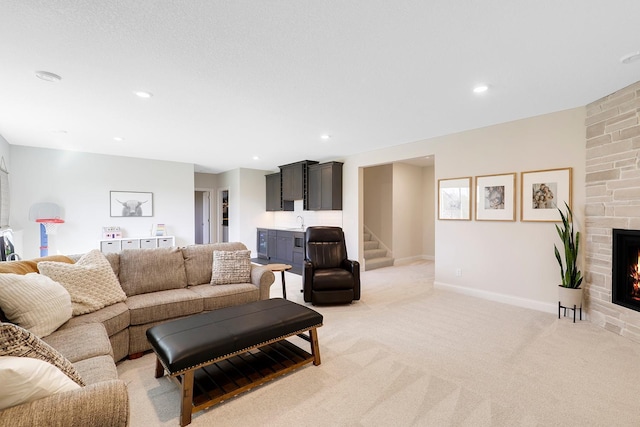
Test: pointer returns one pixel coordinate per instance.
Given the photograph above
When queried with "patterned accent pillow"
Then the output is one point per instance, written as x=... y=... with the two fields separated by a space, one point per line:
x=18 y=342
x=231 y=267
x=34 y=302
x=90 y=281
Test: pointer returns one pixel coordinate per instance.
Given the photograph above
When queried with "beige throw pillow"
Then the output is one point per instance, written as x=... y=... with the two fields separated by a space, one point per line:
x=35 y=302
x=91 y=281
x=25 y=379
x=231 y=267
x=18 y=342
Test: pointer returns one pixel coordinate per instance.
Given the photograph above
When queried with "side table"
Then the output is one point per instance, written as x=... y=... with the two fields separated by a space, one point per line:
x=281 y=268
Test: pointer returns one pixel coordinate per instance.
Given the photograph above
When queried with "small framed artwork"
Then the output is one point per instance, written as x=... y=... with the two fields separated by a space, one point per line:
x=454 y=198
x=496 y=197
x=543 y=192
x=131 y=203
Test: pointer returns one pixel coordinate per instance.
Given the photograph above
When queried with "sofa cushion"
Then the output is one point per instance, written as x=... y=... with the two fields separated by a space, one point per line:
x=31 y=265
x=198 y=260
x=35 y=302
x=25 y=379
x=150 y=270
x=81 y=342
x=231 y=267
x=90 y=281
x=163 y=305
x=16 y=341
x=219 y=296
x=115 y=318
x=97 y=369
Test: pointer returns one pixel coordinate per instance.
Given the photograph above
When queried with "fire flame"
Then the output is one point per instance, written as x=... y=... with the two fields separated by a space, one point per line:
x=634 y=274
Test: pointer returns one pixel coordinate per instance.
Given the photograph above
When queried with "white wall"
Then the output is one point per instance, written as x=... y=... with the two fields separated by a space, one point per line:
x=429 y=213
x=80 y=183
x=408 y=220
x=508 y=261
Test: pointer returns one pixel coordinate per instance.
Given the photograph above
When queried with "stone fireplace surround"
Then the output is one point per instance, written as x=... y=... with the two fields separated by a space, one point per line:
x=612 y=200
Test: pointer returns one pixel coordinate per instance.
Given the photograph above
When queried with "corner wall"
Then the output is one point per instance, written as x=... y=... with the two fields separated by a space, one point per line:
x=511 y=262
x=612 y=199
x=80 y=183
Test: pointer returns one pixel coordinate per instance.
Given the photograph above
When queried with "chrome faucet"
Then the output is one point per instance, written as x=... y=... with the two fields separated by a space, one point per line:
x=301 y=221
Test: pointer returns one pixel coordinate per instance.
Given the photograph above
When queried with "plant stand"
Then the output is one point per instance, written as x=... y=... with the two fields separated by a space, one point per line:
x=574 y=308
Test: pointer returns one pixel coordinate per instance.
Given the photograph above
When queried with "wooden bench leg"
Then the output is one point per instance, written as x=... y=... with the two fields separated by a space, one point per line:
x=159 y=368
x=186 y=407
x=315 y=348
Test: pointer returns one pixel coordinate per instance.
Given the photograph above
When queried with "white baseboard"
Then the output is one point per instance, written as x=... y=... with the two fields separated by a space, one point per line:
x=506 y=299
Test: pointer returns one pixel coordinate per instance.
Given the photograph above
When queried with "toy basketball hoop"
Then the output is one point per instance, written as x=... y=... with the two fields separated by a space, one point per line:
x=50 y=224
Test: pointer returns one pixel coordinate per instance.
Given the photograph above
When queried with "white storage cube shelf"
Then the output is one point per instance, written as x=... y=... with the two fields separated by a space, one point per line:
x=116 y=245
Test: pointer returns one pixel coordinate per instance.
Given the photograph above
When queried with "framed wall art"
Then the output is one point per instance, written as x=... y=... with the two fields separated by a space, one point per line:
x=131 y=204
x=543 y=192
x=454 y=198
x=496 y=197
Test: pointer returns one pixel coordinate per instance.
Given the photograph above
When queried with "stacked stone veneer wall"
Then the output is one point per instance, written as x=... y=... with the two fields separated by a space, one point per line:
x=612 y=200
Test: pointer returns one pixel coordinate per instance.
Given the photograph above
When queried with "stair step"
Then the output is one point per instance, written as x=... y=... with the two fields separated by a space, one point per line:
x=373 y=263
x=375 y=253
x=370 y=244
x=366 y=236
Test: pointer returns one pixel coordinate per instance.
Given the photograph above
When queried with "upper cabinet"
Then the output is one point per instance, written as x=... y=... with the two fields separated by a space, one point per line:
x=325 y=186
x=319 y=186
x=294 y=181
x=274 y=197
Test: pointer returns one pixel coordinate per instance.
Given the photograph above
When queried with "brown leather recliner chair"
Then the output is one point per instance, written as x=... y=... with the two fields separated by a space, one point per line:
x=328 y=277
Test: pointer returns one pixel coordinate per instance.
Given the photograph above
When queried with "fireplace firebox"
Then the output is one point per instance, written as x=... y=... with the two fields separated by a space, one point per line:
x=625 y=275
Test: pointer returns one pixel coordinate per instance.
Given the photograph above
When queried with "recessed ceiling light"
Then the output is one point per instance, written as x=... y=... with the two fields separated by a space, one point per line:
x=256 y=158
x=118 y=138
x=325 y=137
x=630 y=57
x=480 y=88
x=143 y=94
x=48 y=77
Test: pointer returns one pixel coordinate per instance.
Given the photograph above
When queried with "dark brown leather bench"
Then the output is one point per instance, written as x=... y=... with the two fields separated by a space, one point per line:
x=231 y=350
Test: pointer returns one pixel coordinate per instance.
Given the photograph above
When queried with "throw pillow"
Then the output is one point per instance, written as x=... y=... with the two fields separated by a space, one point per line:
x=25 y=379
x=18 y=342
x=34 y=302
x=231 y=267
x=90 y=281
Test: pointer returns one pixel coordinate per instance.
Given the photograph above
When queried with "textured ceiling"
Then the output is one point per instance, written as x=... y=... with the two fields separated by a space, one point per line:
x=237 y=79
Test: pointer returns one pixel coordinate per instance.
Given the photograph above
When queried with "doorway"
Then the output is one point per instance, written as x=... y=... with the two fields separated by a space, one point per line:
x=224 y=215
x=202 y=232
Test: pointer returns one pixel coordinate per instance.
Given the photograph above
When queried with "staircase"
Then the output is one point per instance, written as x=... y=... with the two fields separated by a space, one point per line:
x=374 y=255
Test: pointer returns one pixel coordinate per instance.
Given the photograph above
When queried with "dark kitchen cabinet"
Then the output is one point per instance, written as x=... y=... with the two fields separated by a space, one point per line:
x=294 y=180
x=325 y=186
x=274 y=197
x=284 y=246
x=272 y=239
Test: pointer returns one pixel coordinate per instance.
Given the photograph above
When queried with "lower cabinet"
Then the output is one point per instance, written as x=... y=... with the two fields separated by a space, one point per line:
x=284 y=246
x=281 y=246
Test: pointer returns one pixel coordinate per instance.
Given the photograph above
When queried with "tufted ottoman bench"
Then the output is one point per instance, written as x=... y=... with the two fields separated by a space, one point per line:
x=216 y=355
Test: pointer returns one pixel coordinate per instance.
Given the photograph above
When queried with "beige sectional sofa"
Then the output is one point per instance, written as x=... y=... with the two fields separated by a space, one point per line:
x=160 y=284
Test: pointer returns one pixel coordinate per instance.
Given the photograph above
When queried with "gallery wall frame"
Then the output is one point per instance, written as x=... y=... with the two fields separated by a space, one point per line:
x=496 y=197
x=454 y=199
x=542 y=192
x=131 y=204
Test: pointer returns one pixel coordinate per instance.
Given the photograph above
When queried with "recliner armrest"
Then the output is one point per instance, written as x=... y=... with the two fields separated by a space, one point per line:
x=307 y=279
x=354 y=268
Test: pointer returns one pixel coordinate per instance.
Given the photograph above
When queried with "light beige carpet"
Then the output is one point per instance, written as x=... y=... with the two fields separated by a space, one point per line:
x=409 y=355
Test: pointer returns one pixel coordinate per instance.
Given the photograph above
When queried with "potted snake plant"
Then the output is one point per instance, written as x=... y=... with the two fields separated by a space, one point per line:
x=570 y=291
